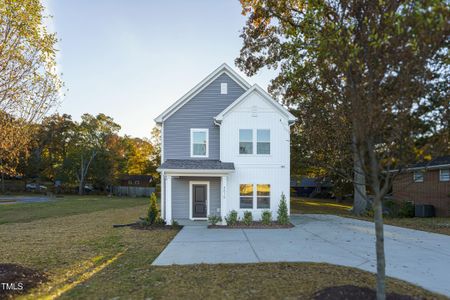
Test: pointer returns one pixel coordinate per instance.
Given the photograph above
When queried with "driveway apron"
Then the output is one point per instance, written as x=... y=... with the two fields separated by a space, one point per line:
x=419 y=257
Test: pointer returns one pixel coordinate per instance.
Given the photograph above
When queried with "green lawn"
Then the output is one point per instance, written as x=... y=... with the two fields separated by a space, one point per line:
x=60 y=207
x=328 y=206
x=85 y=258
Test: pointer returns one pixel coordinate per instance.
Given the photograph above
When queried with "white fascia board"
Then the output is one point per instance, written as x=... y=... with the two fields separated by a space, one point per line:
x=224 y=68
x=265 y=96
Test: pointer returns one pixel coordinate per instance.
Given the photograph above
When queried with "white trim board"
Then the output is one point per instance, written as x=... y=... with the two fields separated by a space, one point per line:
x=191 y=183
x=257 y=89
x=224 y=68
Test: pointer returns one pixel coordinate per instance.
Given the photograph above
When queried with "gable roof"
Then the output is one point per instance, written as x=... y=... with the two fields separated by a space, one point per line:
x=257 y=89
x=224 y=68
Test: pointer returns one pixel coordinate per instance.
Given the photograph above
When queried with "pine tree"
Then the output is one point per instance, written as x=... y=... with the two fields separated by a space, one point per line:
x=153 y=212
x=283 y=217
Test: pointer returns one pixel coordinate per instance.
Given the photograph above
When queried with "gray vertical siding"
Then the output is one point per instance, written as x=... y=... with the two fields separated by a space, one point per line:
x=180 y=196
x=199 y=113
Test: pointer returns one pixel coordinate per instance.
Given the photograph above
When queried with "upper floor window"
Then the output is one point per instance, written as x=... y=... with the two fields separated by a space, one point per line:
x=248 y=138
x=199 y=142
x=263 y=141
x=245 y=141
x=444 y=175
x=418 y=176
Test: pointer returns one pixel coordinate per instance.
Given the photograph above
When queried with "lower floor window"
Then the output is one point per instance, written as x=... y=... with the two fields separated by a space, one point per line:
x=263 y=195
x=247 y=196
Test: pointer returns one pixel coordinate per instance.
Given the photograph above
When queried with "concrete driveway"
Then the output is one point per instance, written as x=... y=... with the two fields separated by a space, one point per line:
x=418 y=257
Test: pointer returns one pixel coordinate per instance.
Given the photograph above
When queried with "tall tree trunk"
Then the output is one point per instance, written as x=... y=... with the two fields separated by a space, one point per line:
x=80 y=187
x=359 y=182
x=381 y=264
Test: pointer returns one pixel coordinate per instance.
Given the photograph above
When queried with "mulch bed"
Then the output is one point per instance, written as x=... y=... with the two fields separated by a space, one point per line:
x=351 y=292
x=253 y=225
x=155 y=227
x=16 y=280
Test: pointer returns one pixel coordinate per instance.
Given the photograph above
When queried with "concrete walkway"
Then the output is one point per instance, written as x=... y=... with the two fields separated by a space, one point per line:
x=418 y=257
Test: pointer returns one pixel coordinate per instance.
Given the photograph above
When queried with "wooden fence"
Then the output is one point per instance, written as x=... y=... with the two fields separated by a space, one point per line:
x=133 y=191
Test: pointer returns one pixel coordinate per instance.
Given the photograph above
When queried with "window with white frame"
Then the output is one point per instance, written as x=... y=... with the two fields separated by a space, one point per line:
x=263 y=196
x=245 y=141
x=199 y=142
x=444 y=175
x=263 y=141
x=246 y=196
x=418 y=176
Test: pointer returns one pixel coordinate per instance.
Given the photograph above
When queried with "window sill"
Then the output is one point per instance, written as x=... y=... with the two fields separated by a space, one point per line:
x=254 y=155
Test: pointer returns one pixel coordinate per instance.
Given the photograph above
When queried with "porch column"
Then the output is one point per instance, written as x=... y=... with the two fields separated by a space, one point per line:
x=168 y=206
x=163 y=194
x=223 y=199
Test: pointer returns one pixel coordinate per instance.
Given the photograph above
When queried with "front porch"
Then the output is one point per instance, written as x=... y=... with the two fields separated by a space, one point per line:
x=192 y=190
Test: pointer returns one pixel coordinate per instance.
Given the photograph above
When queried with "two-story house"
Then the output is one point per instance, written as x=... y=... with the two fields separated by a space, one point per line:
x=225 y=146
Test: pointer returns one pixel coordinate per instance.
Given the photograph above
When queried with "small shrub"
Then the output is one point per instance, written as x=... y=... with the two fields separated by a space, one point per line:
x=406 y=210
x=391 y=207
x=160 y=221
x=214 y=219
x=370 y=213
x=175 y=224
x=283 y=217
x=248 y=218
x=143 y=223
x=153 y=212
x=232 y=218
x=266 y=217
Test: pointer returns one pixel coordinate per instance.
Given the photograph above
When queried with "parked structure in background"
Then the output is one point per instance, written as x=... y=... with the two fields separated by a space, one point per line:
x=135 y=180
x=313 y=187
x=134 y=186
x=426 y=183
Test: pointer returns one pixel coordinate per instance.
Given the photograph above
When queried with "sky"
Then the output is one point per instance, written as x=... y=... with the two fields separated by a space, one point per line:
x=133 y=59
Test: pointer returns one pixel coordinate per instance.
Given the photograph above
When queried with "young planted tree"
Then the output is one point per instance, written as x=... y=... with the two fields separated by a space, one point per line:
x=29 y=85
x=360 y=74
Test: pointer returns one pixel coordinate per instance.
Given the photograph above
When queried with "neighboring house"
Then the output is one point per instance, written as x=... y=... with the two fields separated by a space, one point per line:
x=135 y=180
x=311 y=186
x=225 y=146
x=426 y=183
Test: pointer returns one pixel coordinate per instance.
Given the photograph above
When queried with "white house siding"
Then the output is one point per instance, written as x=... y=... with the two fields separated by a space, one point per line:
x=274 y=169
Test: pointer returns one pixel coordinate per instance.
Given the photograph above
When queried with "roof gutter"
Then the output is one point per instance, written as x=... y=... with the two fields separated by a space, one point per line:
x=423 y=168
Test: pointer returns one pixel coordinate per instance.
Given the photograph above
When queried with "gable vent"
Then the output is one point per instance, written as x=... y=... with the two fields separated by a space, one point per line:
x=224 y=88
x=254 y=111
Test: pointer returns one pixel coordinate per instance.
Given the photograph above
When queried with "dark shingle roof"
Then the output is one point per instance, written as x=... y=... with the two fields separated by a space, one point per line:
x=442 y=160
x=196 y=164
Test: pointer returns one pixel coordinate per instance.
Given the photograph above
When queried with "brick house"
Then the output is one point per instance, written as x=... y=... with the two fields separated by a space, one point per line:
x=426 y=183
